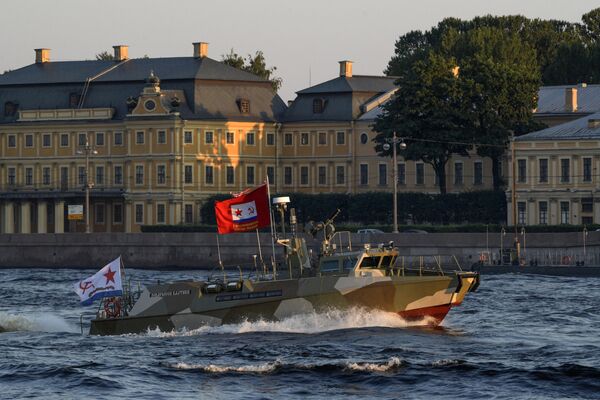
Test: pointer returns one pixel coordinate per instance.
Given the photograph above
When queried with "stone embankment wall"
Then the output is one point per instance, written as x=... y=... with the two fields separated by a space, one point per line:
x=199 y=250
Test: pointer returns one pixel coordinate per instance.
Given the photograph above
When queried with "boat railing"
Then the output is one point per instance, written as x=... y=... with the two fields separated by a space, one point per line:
x=425 y=265
x=337 y=239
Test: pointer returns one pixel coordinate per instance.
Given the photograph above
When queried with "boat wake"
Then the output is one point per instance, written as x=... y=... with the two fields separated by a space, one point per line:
x=310 y=323
x=34 y=323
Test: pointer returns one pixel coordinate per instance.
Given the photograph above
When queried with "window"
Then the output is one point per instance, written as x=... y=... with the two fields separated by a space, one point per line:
x=587 y=205
x=139 y=174
x=46 y=140
x=230 y=137
x=322 y=138
x=402 y=174
x=564 y=212
x=28 y=140
x=250 y=174
x=208 y=175
x=64 y=140
x=521 y=171
x=288 y=139
x=340 y=175
x=458 y=173
x=117 y=213
x=161 y=137
x=304 y=139
x=12 y=176
x=322 y=175
x=160 y=213
x=118 y=170
x=208 y=137
x=543 y=164
x=364 y=174
x=12 y=141
x=341 y=138
x=271 y=174
x=587 y=169
x=82 y=139
x=118 y=138
x=565 y=170
x=244 y=105
x=318 y=106
x=250 y=138
x=10 y=109
x=287 y=175
x=188 y=174
x=189 y=214
x=543 y=210
x=139 y=137
x=587 y=220
x=46 y=175
x=304 y=175
x=382 y=174
x=81 y=175
x=99 y=213
x=28 y=176
x=477 y=173
x=99 y=138
x=161 y=174
x=521 y=208
x=139 y=213
x=364 y=138
x=419 y=174
x=230 y=177
x=270 y=139
x=187 y=137
x=99 y=175
x=64 y=178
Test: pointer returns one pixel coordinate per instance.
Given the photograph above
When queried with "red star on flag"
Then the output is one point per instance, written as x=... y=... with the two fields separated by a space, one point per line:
x=110 y=276
x=238 y=212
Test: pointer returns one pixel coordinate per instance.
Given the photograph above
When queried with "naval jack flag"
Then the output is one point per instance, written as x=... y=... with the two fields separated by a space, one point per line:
x=246 y=212
x=104 y=283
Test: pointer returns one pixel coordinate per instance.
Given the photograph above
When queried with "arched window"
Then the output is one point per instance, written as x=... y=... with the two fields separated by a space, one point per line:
x=364 y=138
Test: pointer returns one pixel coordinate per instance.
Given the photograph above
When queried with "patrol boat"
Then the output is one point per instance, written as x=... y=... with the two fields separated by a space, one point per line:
x=339 y=277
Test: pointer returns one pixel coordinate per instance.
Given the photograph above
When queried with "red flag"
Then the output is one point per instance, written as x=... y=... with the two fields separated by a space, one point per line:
x=247 y=211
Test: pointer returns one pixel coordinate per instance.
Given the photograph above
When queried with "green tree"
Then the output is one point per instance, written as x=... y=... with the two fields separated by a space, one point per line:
x=105 y=56
x=430 y=113
x=255 y=65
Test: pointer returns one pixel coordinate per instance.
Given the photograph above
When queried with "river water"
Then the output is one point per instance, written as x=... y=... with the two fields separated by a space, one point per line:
x=518 y=336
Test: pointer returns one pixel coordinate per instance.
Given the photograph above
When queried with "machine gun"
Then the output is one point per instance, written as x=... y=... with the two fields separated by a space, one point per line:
x=328 y=229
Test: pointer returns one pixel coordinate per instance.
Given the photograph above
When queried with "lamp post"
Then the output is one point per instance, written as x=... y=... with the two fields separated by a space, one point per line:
x=585 y=233
x=87 y=150
x=395 y=141
x=514 y=198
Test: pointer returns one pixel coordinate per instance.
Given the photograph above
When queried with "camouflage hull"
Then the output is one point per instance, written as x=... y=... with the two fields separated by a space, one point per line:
x=187 y=305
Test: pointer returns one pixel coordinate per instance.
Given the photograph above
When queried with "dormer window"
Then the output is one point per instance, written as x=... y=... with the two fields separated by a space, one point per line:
x=244 y=105
x=10 y=109
x=318 y=106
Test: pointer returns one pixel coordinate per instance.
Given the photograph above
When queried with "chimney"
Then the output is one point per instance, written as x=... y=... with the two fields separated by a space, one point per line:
x=571 y=99
x=346 y=68
x=593 y=123
x=42 y=56
x=121 y=52
x=200 y=49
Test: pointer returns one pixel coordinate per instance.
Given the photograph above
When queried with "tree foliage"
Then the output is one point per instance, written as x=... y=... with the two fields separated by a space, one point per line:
x=254 y=64
x=105 y=56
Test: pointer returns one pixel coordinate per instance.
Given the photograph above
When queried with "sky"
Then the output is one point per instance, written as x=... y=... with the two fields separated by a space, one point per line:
x=303 y=39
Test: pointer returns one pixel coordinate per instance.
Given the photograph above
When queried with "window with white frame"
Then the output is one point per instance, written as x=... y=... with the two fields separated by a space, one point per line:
x=28 y=140
x=64 y=140
x=118 y=138
x=99 y=138
x=46 y=140
x=117 y=213
x=564 y=212
x=229 y=175
x=188 y=137
x=160 y=213
x=161 y=174
x=340 y=175
x=99 y=213
x=139 y=213
x=99 y=175
x=118 y=174
x=188 y=174
x=250 y=174
x=46 y=175
x=304 y=175
x=140 y=137
x=543 y=212
x=209 y=137
x=161 y=137
x=521 y=213
x=364 y=174
x=250 y=138
x=287 y=176
x=230 y=137
x=29 y=176
x=209 y=174
x=139 y=174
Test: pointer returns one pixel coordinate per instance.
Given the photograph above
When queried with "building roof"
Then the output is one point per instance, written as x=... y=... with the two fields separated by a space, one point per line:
x=579 y=129
x=551 y=99
x=355 y=83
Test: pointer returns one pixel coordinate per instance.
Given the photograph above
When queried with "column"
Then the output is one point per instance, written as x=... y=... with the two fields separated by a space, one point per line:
x=128 y=216
x=25 y=220
x=42 y=217
x=9 y=217
x=59 y=216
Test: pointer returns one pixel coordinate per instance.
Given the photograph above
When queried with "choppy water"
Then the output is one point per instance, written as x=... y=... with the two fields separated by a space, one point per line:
x=517 y=337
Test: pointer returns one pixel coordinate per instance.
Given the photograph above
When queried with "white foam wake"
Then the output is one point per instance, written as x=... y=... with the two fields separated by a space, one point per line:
x=392 y=363
x=34 y=322
x=264 y=368
x=333 y=319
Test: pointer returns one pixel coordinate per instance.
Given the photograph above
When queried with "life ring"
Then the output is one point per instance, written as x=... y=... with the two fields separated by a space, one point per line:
x=566 y=260
x=112 y=307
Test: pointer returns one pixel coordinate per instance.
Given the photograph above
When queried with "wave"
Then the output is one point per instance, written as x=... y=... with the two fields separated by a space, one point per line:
x=310 y=323
x=393 y=363
x=34 y=323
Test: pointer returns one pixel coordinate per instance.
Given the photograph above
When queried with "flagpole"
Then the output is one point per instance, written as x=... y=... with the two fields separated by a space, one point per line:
x=219 y=254
x=273 y=260
x=259 y=247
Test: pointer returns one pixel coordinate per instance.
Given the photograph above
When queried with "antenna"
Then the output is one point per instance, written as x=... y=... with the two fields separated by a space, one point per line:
x=309 y=76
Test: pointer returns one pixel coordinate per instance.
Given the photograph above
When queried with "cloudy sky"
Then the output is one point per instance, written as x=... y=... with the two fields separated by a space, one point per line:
x=304 y=39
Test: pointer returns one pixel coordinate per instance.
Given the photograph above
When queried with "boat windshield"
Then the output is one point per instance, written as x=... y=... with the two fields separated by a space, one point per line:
x=387 y=261
x=370 y=262
x=350 y=263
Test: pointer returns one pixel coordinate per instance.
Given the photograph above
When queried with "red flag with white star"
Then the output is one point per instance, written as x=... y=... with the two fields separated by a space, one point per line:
x=246 y=212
